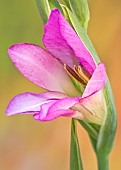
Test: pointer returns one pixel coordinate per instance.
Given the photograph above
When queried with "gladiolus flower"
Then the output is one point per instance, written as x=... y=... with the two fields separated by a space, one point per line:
x=64 y=61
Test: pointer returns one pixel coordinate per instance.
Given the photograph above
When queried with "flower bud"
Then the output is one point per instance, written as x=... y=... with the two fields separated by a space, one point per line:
x=45 y=7
x=81 y=10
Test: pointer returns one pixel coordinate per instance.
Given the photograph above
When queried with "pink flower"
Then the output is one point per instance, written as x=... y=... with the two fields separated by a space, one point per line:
x=65 y=58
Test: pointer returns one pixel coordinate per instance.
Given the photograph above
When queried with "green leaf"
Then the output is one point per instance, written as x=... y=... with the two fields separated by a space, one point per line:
x=108 y=129
x=45 y=7
x=94 y=142
x=75 y=158
x=81 y=10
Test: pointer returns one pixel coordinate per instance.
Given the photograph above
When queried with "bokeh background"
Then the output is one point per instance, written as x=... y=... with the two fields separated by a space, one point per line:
x=26 y=144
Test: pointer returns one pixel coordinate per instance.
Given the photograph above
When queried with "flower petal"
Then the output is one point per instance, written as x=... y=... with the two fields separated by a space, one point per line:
x=56 y=108
x=40 y=67
x=91 y=109
x=97 y=81
x=55 y=43
x=61 y=40
x=30 y=103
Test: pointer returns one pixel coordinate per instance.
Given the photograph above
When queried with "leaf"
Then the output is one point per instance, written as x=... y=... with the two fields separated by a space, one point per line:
x=94 y=142
x=108 y=129
x=75 y=158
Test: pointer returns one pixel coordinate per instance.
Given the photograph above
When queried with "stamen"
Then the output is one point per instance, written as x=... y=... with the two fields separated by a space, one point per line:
x=82 y=73
x=75 y=75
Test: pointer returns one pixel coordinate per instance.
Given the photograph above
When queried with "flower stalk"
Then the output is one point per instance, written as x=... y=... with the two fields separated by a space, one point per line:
x=103 y=162
x=75 y=158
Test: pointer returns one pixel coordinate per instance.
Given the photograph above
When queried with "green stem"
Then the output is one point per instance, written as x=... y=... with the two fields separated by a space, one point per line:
x=103 y=162
x=75 y=157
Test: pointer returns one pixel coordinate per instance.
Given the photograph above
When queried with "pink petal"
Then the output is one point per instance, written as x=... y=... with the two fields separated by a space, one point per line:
x=55 y=43
x=30 y=103
x=40 y=67
x=56 y=108
x=97 y=81
x=61 y=40
x=91 y=109
x=42 y=115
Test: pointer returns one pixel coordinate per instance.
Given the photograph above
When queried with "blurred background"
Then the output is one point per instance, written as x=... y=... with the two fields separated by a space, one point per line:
x=26 y=144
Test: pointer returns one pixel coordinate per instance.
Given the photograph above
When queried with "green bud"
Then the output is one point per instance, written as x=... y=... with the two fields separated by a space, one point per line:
x=81 y=10
x=55 y=4
x=45 y=7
